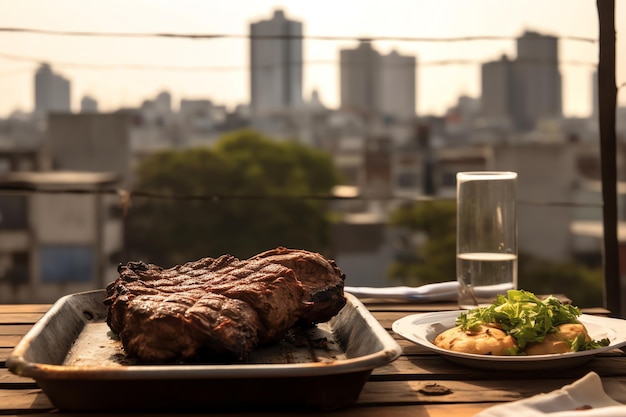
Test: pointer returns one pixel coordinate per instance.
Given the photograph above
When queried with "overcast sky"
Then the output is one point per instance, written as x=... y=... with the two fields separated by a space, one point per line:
x=125 y=71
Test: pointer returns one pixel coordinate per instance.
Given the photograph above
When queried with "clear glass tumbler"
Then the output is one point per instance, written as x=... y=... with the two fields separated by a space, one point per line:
x=486 y=255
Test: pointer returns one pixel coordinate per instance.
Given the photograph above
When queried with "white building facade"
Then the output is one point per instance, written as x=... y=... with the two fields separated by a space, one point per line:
x=52 y=92
x=526 y=91
x=56 y=244
x=376 y=85
x=275 y=65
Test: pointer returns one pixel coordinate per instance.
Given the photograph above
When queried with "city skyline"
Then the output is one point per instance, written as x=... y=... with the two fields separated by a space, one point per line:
x=527 y=89
x=105 y=71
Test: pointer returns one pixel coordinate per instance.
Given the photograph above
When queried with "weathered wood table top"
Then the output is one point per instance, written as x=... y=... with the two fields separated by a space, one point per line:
x=419 y=383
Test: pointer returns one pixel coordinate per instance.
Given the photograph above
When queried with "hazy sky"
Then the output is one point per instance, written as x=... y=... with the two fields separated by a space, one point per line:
x=125 y=71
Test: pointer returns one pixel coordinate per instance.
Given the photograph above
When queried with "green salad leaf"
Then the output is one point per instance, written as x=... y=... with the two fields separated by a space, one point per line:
x=523 y=315
x=580 y=344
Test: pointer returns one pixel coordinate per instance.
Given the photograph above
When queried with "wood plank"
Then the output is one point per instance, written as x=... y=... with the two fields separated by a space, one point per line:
x=24 y=308
x=416 y=396
x=4 y=354
x=429 y=367
x=386 y=318
x=9 y=380
x=410 y=348
x=437 y=391
x=30 y=400
x=18 y=401
x=19 y=318
x=475 y=395
x=14 y=329
x=9 y=341
x=437 y=410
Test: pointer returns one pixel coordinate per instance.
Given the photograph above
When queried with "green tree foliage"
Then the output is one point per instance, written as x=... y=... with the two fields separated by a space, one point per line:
x=582 y=284
x=264 y=176
x=434 y=259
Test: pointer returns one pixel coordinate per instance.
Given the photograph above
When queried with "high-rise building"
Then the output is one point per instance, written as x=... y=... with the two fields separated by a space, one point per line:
x=275 y=65
x=528 y=89
x=360 y=79
x=497 y=91
x=538 y=79
x=397 y=86
x=377 y=85
x=88 y=105
x=52 y=92
x=163 y=103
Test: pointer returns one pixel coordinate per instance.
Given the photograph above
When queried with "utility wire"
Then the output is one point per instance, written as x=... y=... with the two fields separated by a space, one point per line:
x=443 y=62
x=127 y=195
x=209 y=36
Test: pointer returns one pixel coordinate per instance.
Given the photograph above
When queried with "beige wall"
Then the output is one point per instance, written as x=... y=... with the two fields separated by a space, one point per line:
x=64 y=218
x=547 y=174
x=90 y=142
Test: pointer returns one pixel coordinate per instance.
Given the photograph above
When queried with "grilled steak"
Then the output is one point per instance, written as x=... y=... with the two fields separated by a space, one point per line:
x=322 y=280
x=222 y=306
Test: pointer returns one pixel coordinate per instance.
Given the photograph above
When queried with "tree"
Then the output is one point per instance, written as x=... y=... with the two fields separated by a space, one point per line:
x=257 y=184
x=582 y=284
x=434 y=259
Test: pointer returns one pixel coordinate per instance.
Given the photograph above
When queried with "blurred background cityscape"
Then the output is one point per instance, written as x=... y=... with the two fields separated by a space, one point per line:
x=364 y=174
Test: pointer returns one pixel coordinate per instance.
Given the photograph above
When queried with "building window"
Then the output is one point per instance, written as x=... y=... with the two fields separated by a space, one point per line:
x=14 y=268
x=408 y=180
x=67 y=263
x=13 y=212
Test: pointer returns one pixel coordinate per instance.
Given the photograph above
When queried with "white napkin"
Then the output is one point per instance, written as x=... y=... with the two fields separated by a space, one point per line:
x=563 y=402
x=440 y=291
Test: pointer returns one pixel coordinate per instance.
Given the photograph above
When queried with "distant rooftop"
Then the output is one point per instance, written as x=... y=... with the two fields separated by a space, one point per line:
x=45 y=179
x=595 y=229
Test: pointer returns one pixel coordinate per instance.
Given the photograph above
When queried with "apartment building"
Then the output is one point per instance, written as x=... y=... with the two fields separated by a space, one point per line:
x=54 y=240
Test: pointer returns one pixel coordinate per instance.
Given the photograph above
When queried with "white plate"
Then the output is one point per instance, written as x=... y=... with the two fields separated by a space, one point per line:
x=422 y=329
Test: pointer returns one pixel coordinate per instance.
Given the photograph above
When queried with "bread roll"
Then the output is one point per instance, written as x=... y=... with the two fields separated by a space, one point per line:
x=559 y=341
x=484 y=340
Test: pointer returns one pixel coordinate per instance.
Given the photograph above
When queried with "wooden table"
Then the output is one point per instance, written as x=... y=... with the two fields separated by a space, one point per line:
x=417 y=384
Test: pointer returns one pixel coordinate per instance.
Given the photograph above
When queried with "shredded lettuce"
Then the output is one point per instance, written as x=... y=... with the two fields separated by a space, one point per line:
x=527 y=318
x=580 y=344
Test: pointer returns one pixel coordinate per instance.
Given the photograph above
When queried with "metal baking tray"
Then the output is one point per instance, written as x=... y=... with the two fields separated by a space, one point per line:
x=80 y=365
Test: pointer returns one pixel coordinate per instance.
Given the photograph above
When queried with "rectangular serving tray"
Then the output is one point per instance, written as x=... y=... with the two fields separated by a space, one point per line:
x=80 y=365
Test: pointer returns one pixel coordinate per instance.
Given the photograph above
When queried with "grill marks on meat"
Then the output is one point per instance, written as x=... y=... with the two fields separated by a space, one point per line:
x=164 y=328
x=322 y=280
x=221 y=306
x=225 y=306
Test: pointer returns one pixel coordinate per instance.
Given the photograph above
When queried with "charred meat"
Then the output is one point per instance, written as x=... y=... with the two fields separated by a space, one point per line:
x=322 y=280
x=222 y=306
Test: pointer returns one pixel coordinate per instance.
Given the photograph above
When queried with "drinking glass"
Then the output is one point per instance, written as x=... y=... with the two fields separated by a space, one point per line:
x=486 y=256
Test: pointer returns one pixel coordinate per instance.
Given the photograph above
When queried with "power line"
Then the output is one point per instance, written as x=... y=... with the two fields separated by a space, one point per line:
x=143 y=67
x=25 y=188
x=209 y=36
